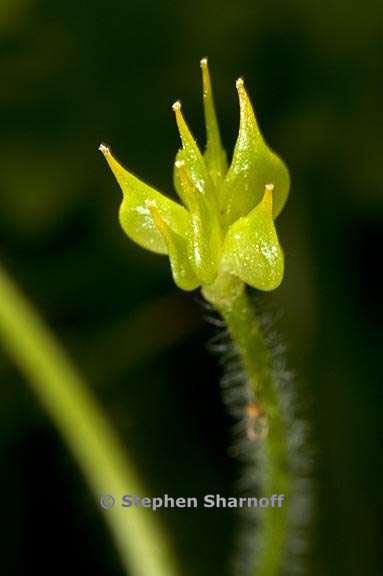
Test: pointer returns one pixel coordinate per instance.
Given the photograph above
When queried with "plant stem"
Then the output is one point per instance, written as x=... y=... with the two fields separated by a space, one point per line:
x=231 y=300
x=86 y=430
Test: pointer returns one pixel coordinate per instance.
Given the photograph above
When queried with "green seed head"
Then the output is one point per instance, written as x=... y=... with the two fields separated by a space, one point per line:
x=224 y=225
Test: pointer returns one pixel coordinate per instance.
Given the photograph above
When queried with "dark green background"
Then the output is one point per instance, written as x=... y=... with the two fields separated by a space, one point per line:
x=74 y=74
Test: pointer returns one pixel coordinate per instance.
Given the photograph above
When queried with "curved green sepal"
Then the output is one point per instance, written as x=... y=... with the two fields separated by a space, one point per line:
x=193 y=159
x=254 y=165
x=251 y=249
x=182 y=271
x=204 y=244
x=135 y=216
x=215 y=155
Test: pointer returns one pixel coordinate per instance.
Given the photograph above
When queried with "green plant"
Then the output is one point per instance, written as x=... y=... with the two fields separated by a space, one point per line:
x=222 y=239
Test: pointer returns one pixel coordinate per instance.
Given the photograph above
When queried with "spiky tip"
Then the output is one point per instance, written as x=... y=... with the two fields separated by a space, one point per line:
x=206 y=81
x=176 y=106
x=267 y=199
x=104 y=149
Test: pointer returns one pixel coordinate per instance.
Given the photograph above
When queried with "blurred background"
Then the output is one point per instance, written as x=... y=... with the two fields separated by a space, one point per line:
x=74 y=74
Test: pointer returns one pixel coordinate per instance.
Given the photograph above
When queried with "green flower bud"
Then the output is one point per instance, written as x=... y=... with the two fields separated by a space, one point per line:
x=225 y=225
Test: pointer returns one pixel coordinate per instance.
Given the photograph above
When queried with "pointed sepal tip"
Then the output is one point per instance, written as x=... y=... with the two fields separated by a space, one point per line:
x=104 y=148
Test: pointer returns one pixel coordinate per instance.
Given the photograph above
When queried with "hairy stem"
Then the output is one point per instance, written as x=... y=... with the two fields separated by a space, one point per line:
x=266 y=426
x=86 y=430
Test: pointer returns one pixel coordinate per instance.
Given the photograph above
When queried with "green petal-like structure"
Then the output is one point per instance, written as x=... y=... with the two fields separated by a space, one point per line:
x=215 y=155
x=194 y=161
x=254 y=165
x=183 y=274
x=135 y=216
x=251 y=249
x=204 y=244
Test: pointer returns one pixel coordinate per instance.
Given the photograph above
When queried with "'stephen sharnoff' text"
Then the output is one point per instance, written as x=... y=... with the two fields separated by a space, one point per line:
x=208 y=501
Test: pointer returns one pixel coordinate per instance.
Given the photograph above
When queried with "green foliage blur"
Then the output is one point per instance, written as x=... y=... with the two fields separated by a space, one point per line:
x=74 y=74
